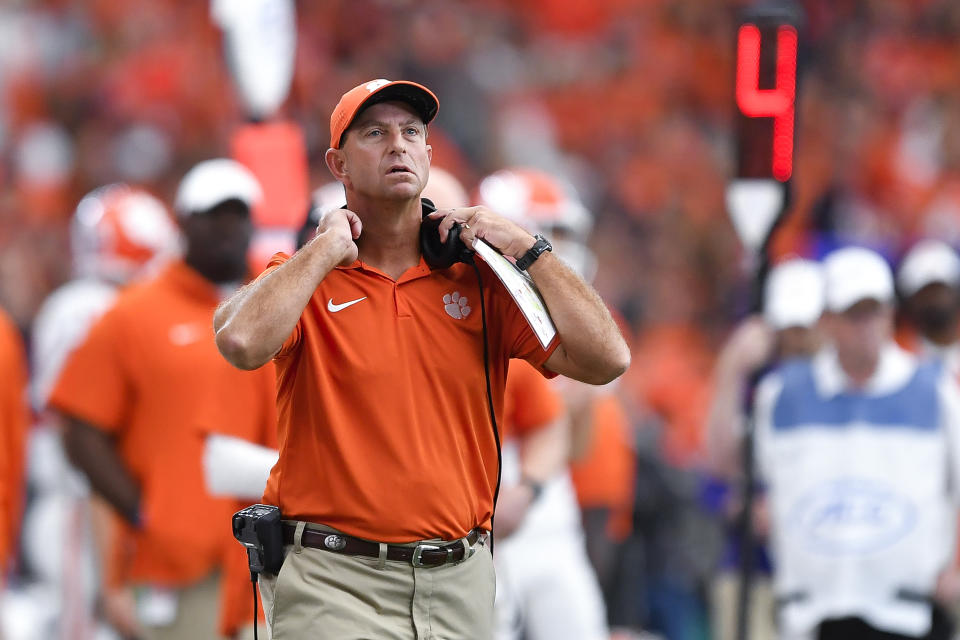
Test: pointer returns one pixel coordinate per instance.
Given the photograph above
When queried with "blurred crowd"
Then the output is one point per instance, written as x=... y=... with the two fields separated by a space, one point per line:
x=629 y=100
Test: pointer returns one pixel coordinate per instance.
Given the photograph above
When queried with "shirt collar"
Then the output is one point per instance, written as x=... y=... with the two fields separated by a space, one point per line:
x=422 y=269
x=893 y=371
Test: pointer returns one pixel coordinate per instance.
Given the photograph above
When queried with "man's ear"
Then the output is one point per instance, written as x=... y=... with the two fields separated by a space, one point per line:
x=337 y=164
x=430 y=153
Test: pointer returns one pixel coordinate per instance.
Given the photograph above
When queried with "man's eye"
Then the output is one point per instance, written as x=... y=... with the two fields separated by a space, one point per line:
x=374 y=132
x=413 y=131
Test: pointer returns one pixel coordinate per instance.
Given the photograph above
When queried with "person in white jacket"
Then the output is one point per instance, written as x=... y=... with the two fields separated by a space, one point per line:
x=859 y=450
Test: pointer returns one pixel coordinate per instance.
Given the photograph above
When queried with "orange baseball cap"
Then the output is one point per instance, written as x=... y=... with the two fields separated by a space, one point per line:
x=369 y=93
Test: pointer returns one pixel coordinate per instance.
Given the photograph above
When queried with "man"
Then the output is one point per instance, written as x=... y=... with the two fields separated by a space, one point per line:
x=131 y=393
x=786 y=330
x=929 y=281
x=118 y=233
x=858 y=447
x=387 y=447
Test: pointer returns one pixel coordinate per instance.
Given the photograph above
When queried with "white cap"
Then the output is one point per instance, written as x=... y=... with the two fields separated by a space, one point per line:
x=214 y=181
x=793 y=295
x=927 y=262
x=853 y=274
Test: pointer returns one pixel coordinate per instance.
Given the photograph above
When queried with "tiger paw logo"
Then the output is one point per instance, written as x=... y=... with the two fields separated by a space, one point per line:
x=456 y=305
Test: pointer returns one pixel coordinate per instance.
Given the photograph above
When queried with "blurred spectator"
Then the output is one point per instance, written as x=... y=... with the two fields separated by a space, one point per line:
x=13 y=431
x=536 y=596
x=787 y=330
x=857 y=446
x=118 y=234
x=131 y=393
x=929 y=282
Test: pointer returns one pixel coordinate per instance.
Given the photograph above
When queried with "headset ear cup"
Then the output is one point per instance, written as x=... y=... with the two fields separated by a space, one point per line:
x=439 y=255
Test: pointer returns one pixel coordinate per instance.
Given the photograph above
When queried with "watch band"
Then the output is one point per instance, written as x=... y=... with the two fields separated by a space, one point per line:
x=541 y=245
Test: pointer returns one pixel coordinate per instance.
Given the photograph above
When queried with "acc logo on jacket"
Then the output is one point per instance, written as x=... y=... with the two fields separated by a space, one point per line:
x=852 y=516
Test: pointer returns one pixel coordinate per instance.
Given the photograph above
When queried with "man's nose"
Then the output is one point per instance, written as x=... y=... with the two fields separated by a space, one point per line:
x=397 y=142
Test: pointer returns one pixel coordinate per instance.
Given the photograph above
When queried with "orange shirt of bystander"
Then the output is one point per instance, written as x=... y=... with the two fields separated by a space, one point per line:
x=143 y=375
x=604 y=476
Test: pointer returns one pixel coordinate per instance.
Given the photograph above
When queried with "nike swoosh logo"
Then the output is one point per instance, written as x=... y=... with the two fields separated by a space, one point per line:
x=333 y=308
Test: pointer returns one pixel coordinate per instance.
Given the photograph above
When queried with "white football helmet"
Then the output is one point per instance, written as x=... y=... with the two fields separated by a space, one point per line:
x=119 y=232
x=542 y=203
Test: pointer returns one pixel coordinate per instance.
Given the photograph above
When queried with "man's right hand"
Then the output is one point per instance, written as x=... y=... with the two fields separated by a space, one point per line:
x=341 y=227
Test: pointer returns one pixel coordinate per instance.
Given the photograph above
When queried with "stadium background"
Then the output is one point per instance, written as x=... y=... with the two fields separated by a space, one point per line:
x=631 y=99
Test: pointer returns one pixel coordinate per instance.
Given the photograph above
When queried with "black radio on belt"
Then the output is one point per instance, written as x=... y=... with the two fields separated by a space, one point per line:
x=257 y=527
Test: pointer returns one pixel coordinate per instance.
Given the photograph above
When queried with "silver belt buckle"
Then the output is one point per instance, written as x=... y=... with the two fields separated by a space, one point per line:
x=417 y=560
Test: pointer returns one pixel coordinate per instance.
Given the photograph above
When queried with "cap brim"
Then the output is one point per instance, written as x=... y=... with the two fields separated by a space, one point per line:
x=417 y=96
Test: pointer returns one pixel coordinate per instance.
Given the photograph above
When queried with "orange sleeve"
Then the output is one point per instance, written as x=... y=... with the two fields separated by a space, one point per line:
x=14 y=421
x=530 y=402
x=94 y=384
x=293 y=340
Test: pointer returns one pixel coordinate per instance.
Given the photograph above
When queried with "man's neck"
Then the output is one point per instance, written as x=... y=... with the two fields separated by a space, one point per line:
x=390 y=239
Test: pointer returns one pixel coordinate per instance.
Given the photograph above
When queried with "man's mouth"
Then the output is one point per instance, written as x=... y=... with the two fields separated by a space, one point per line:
x=399 y=169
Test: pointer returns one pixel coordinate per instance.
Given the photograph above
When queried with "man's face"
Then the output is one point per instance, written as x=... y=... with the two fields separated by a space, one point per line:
x=797 y=342
x=217 y=241
x=860 y=332
x=385 y=153
x=934 y=308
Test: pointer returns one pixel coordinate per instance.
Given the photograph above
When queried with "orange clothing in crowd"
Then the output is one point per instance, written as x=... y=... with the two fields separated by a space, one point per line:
x=676 y=383
x=259 y=427
x=14 y=418
x=383 y=424
x=529 y=403
x=143 y=375
x=603 y=478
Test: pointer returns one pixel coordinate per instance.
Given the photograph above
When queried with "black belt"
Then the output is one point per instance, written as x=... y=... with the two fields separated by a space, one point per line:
x=425 y=554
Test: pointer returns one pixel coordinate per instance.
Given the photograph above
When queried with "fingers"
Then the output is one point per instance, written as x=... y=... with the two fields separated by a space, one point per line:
x=464 y=216
x=356 y=225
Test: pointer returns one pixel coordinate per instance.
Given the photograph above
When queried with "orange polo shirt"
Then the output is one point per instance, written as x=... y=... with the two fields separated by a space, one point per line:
x=383 y=423
x=14 y=419
x=143 y=375
x=604 y=477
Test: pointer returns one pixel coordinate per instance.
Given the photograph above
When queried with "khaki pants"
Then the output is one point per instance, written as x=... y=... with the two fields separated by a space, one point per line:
x=321 y=594
x=761 y=620
x=197 y=609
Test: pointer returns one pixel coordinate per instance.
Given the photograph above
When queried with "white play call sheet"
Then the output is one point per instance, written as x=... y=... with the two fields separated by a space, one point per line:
x=523 y=291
